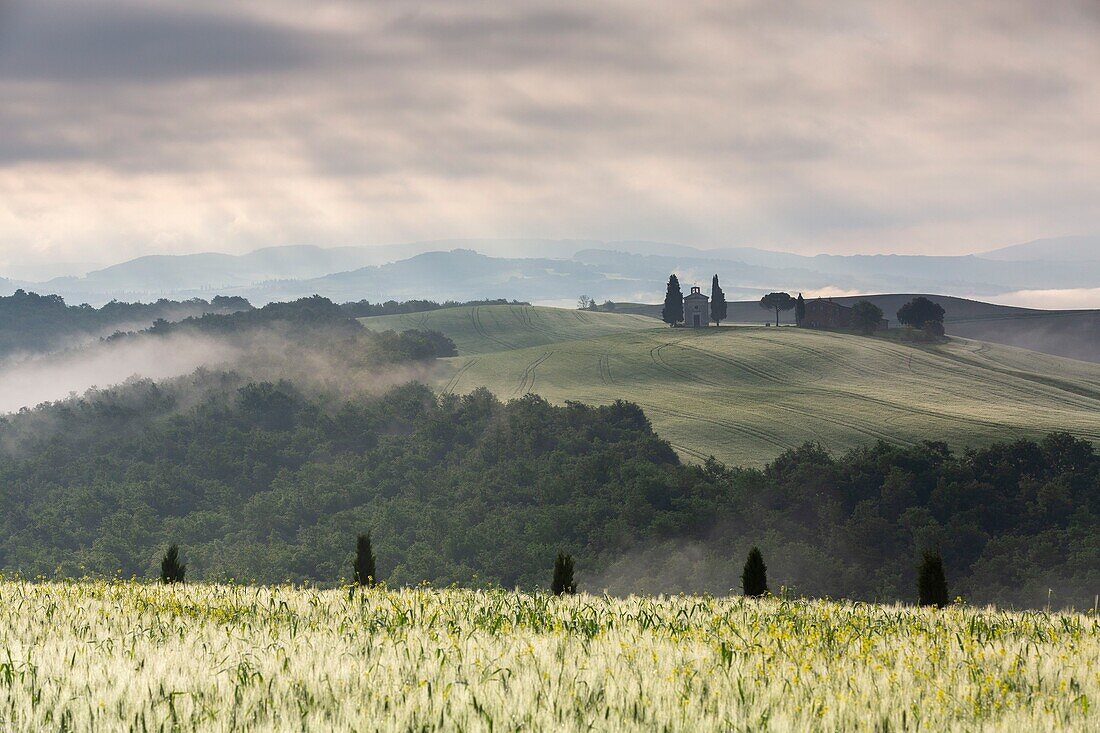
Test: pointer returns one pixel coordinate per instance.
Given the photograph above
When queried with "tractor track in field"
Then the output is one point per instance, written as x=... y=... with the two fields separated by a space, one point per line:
x=659 y=361
x=843 y=362
x=522 y=316
x=1025 y=383
x=855 y=427
x=821 y=355
x=927 y=366
x=453 y=381
x=527 y=380
x=1092 y=396
x=603 y=364
x=475 y=317
x=655 y=356
x=893 y=355
x=691 y=452
x=745 y=430
x=526 y=319
x=913 y=409
x=755 y=371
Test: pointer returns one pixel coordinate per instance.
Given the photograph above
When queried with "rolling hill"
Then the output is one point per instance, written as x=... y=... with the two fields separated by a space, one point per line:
x=747 y=393
x=1071 y=333
x=485 y=329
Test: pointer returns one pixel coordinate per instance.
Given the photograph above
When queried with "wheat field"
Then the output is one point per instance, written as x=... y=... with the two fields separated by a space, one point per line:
x=744 y=394
x=101 y=655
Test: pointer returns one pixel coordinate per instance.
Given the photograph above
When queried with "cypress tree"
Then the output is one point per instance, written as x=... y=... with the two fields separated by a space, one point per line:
x=171 y=569
x=799 y=310
x=717 y=302
x=563 y=576
x=365 y=573
x=754 y=579
x=673 y=311
x=932 y=581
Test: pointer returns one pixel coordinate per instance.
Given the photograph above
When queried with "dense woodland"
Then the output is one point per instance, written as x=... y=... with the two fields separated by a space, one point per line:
x=261 y=481
x=315 y=325
x=32 y=323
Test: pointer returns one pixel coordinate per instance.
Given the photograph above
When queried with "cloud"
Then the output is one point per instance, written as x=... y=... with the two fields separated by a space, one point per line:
x=1066 y=299
x=132 y=128
x=63 y=42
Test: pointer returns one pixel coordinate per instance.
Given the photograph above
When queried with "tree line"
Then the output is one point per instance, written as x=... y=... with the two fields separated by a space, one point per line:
x=931 y=580
x=920 y=314
x=265 y=482
x=314 y=324
x=33 y=323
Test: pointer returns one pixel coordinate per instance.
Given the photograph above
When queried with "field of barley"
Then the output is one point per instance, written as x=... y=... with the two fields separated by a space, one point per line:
x=123 y=655
x=746 y=393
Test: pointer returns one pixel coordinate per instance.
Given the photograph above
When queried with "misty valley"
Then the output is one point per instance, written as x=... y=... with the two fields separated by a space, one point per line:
x=549 y=366
x=294 y=426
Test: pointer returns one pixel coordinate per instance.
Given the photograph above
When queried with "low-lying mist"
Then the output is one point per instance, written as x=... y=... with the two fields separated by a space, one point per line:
x=32 y=380
x=270 y=354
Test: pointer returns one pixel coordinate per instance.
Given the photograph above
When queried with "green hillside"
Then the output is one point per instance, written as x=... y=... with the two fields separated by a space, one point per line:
x=744 y=394
x=1071 y=333
x=487 y=328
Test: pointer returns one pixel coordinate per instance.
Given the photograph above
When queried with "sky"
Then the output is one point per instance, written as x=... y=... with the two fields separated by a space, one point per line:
x=131 y=128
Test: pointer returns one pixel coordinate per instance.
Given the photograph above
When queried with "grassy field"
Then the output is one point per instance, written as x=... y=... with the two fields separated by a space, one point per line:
x=746 y=393
x=484 y=329
x=118 y=656
x=1070 y=333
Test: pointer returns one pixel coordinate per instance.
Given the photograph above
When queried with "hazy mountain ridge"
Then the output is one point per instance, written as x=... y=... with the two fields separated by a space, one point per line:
x=559 y=270
x=1062 y=249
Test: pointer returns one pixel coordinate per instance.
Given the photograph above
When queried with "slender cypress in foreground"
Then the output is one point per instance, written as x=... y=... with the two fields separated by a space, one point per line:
x=754 y=578
x=171 y=569
x=563 y=576
x=932 y=581
x=365 y=573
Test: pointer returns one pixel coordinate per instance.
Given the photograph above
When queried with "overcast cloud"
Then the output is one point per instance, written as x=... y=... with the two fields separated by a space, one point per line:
x=938 y=127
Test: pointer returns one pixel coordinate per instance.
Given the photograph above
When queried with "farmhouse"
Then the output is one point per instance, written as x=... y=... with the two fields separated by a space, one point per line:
x=696 y=309
x=824 y=313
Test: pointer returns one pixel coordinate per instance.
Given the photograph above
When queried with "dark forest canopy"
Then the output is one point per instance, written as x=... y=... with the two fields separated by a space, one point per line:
x=261 y=481
x=314 y=324
x=32 y=323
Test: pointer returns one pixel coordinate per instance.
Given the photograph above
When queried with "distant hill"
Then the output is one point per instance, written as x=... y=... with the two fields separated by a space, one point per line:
x=560 y=270
x=745 y=394
x=155 y=276
x=1057 y=249
x=465 y=274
